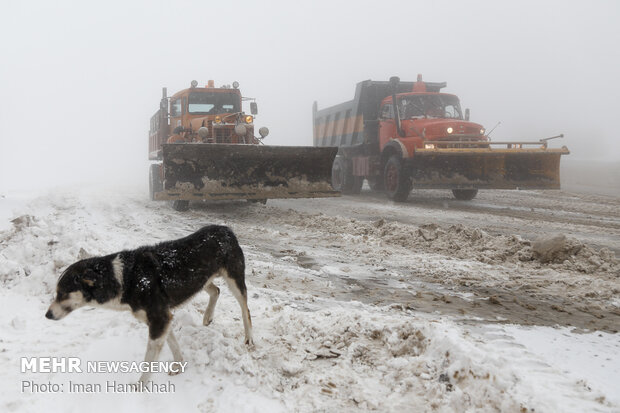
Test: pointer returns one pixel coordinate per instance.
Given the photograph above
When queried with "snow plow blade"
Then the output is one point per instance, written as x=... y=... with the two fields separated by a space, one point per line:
x=218 y=171
x=487 y=168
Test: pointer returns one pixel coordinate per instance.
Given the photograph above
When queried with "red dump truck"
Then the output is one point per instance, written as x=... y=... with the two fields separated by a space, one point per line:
x=428 y=142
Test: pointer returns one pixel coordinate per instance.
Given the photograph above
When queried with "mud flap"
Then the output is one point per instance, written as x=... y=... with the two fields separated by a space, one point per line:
x=219 y=171
x=487 y=168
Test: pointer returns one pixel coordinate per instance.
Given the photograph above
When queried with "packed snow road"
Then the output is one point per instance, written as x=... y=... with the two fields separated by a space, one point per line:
x=357 y=303
x=480 y=251
x=594 y=219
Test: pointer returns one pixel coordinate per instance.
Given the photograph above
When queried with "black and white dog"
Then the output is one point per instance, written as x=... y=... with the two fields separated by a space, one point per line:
x=151 y=280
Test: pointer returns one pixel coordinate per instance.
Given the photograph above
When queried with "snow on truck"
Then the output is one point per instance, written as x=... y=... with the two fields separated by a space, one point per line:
x=426 y=143
x=204 y=148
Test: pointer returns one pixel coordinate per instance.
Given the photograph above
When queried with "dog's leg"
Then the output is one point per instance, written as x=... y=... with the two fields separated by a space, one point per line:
x=153 y=348
x=214 y=293
x=159 y=326
x=171 y=339
x=240 y=292
x=174 y=347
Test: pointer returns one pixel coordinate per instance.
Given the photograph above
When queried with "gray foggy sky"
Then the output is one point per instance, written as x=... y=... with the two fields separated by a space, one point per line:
x=80 y=80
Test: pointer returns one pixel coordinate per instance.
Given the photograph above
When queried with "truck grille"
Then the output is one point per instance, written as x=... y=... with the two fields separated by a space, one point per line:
x=460 y=141
x=224 y=135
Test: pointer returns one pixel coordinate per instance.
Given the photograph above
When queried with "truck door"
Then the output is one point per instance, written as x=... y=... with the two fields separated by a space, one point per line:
x=176 y=113
x=387 y=125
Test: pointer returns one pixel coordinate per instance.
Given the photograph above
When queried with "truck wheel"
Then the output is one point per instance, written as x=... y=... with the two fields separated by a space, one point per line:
x=180 y=205
x=465 y=194
x=343 y=180
x=397 y=183
x=375 y=183
x=155 y=182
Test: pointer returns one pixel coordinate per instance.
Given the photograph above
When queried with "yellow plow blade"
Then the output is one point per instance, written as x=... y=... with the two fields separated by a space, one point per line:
x=218 y=171
x=484 y=168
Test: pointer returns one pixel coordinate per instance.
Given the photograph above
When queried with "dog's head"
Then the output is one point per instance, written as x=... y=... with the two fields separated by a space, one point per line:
x=86 y=281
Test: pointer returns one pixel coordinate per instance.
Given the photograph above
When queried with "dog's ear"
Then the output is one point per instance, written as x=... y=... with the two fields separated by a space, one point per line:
x=89 y=278
x=88 y=282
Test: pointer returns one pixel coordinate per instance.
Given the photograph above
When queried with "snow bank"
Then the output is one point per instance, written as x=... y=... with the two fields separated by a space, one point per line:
x=462 y=242
x=591 y=359
x=311 y=354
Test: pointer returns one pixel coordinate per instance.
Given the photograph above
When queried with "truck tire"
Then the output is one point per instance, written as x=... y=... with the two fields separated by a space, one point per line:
x=343 y=180
x=396 y=181
x=155 y=182
x=465 y=194
x=180 y=205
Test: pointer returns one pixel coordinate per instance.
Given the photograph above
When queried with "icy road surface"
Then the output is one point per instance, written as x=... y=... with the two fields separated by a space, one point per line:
x=357 y=304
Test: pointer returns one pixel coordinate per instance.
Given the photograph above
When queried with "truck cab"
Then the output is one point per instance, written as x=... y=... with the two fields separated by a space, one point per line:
x=203 y=115
x=216 y=109
x=426 y=119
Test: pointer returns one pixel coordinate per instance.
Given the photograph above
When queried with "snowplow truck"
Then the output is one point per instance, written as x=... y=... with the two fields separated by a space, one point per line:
x=204 y=148
x=424 y=141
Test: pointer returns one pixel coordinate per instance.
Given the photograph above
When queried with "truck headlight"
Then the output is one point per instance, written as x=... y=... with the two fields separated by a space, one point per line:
x=429 y=146
x=241 y=130
x=218 y=119
x=482 y=131
x=249 y=119
x=449 y=130
x=203 y=132
x=264 y=131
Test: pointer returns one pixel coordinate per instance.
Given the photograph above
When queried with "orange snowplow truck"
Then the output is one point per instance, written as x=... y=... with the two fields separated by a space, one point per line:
x=204 y=148
x=427 y=142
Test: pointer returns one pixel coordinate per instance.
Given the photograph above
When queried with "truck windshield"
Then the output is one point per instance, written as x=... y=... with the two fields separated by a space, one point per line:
x=206 y=103
x=430 y=106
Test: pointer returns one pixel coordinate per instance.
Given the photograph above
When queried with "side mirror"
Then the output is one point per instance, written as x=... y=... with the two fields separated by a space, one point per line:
x=253 y=108
x=467 y=114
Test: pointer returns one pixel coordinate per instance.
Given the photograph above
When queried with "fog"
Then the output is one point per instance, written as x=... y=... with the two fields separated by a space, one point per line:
x=80 y=80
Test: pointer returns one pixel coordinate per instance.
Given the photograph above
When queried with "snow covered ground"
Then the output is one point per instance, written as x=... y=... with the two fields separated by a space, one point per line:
x=364 y=306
